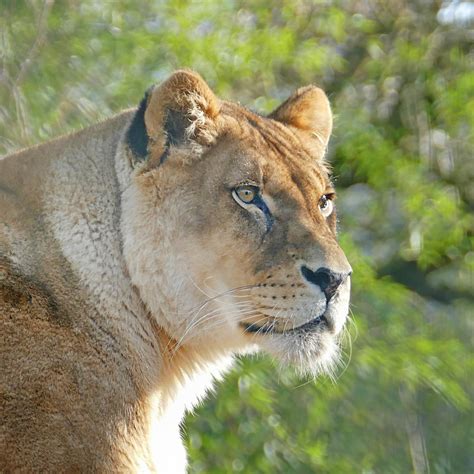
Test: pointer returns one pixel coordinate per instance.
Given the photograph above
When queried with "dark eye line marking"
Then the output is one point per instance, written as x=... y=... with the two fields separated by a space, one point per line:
x=261 y=204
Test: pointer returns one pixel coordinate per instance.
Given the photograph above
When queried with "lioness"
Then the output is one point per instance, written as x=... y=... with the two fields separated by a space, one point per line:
x=139 y=255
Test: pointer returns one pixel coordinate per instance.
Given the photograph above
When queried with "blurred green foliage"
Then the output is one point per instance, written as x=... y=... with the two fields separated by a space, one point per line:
x=400 y=78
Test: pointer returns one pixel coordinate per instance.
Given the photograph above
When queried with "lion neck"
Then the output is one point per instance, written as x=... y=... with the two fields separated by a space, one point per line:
x=186 y=370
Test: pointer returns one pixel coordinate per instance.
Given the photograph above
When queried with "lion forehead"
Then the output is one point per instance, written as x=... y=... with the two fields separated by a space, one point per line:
x=261 y=146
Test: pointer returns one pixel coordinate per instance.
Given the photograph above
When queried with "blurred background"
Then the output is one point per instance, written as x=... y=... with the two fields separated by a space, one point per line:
x=400 y=78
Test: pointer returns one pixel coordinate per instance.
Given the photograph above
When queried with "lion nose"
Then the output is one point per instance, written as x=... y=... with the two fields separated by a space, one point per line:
x=326 y=279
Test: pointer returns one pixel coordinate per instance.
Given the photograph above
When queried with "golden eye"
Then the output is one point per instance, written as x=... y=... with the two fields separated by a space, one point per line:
x=246 y=193
x=326 y=205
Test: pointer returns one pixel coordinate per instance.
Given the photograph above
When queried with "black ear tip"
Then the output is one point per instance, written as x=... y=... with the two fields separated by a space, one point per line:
x=136 y=137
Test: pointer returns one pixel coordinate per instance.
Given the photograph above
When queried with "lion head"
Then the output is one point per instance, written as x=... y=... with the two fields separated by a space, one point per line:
x=229 y=223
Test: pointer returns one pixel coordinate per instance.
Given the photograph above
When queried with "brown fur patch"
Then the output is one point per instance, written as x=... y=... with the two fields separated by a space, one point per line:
x=28 y=295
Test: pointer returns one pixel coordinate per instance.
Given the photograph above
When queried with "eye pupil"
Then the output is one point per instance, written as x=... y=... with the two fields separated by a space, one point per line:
x=247 y=195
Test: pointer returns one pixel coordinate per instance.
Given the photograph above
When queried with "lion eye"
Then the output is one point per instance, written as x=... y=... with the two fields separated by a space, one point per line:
x=326 y=205
x=246 y=194
x=249 y=197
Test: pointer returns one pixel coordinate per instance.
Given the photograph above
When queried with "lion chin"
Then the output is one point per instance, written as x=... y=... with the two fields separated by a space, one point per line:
x=138 y=256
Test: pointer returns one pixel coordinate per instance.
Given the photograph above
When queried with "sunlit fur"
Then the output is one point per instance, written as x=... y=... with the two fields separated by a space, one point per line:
x=129 y=283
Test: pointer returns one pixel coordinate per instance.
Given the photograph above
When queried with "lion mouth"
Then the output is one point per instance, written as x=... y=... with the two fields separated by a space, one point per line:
x=271 y=329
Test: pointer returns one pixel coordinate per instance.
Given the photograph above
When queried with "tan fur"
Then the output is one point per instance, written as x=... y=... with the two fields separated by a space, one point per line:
x=126 y=284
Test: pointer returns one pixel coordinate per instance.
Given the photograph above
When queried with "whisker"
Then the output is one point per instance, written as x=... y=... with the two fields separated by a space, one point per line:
x=218 y=313
x=199 y=309
x=263 y=318
x=261 y=328
x=198 y=287
x=345 y=336
x=235 y=316
x=220 y=295
x=212 y=314
x=352 y=321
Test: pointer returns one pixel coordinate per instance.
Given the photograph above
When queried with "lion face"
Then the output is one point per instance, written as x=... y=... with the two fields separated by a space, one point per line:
x=230 y=225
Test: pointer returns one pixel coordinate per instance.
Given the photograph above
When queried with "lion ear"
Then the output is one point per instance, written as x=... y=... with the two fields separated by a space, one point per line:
x=308 y=111
x=179 y=112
